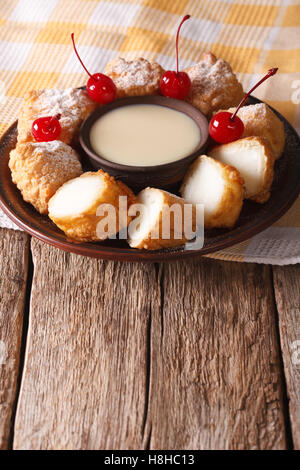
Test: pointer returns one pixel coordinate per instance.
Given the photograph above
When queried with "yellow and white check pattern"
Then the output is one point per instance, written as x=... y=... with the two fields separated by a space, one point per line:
x=253 y=36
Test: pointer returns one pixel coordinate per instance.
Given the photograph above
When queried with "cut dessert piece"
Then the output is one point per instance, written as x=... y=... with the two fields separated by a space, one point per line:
x=213 y=84
x=254 y=159
x=158 y=225
x=79 y=206
x=259 y=120
x=40 y=168
x=136 y=77
x=73 y=104
x=218 y=187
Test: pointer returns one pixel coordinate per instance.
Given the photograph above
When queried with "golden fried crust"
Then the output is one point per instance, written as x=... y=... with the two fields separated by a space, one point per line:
x=169 y=199
x=260 y=120
x=231 y=202
x=135 y=78
x=213 y=85
x=73 y=104
x=40 y=168
x=269 y=161
x=82 y=227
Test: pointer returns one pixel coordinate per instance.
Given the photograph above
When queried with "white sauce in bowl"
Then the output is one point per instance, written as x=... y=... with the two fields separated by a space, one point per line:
x=144 y=135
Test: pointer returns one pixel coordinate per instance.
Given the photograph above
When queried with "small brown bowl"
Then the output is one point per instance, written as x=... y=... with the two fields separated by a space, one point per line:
x=165 y=176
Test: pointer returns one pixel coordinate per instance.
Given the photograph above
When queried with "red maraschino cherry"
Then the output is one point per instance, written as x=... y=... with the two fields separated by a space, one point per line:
x=226 y=127
x=99 y=87
x=176 y=84
x=46 y=128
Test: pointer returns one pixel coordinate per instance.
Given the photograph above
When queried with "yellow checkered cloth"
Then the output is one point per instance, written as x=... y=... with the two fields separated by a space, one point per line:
x=253 y=36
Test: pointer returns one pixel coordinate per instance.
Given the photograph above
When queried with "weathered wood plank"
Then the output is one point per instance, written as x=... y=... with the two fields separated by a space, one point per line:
x=215 y=378
x=214 y=368
x=85 y=374
x=14 y=248
x=287 y=294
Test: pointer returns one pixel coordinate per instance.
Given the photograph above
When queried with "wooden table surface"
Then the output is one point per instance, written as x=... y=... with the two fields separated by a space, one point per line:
x=109 y=355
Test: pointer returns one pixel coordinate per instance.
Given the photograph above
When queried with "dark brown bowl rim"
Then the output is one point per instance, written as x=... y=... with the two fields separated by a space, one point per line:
x=178 y=105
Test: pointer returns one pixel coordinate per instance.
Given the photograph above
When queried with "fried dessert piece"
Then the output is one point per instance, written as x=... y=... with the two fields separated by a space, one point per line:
x=254 y=159
x=78 y=207
x=135 y=78
x=155 y=228
x=40 y=168
x=213 y=84
x=73 y=104
x=259 y=120
x=219 y=187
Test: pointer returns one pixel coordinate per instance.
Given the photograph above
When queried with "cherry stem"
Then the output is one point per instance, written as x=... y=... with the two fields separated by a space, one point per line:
x=54 y=118
x=269 y=74
x=177 y=36
x=72 y=37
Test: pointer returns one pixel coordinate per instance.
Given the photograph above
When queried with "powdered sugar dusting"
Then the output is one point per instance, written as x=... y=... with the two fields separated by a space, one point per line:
x=56 y=152
x=258 y=110
x=139 y=73
x=73 y=104
x=56 y=157
x=66 y=102
x=40 y=168
x=53 y=146
x=213 y=84
x=210 y=76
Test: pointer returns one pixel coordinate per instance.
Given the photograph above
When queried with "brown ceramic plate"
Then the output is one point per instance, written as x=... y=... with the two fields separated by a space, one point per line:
x=253 y=219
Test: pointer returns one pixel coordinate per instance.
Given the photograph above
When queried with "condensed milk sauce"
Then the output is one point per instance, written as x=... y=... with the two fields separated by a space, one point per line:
x=144 y=135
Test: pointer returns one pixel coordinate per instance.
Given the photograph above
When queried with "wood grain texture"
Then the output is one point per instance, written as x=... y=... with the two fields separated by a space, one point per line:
x=85 y=371
x=124 y=356
x=287 y=294
x=215 y=375
x=14 y=247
